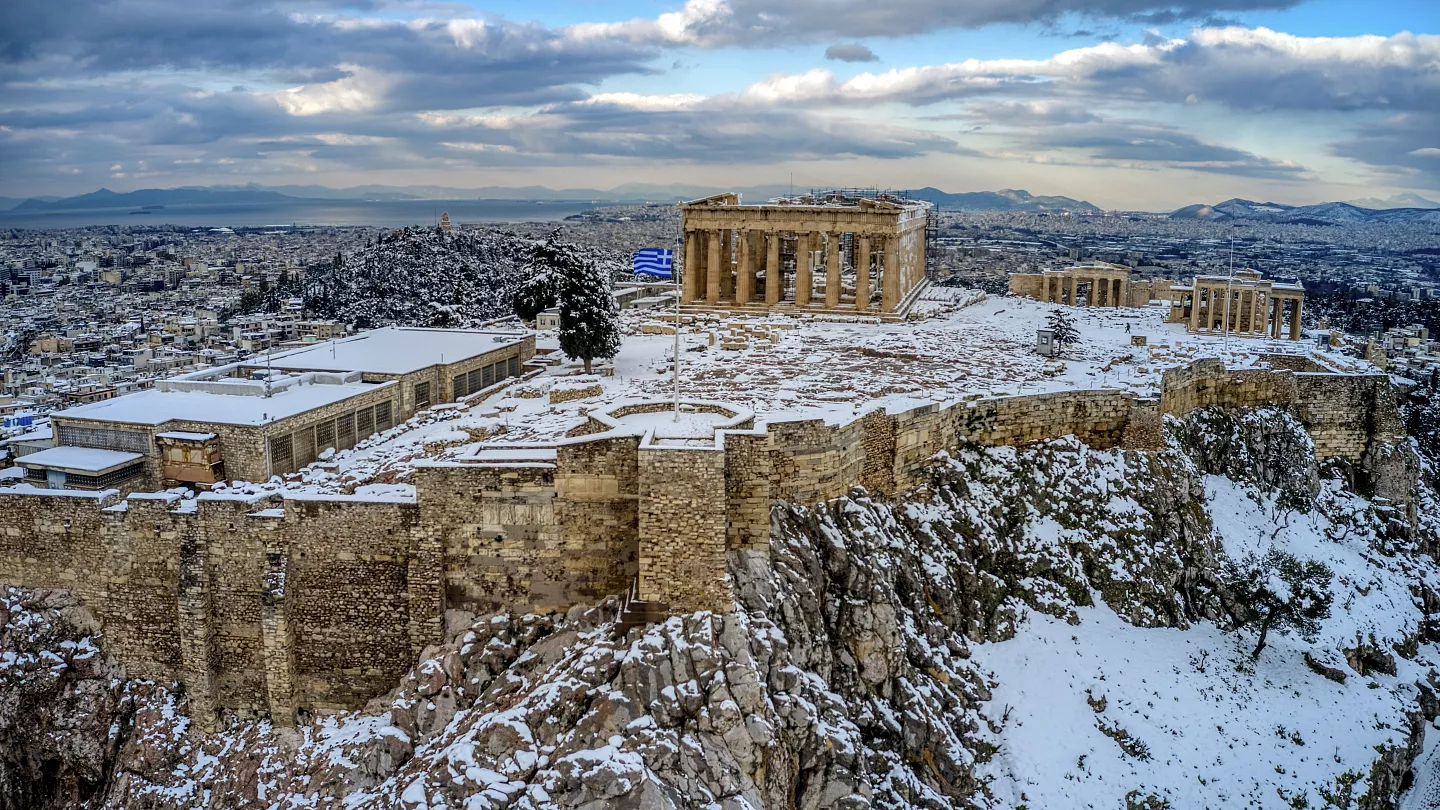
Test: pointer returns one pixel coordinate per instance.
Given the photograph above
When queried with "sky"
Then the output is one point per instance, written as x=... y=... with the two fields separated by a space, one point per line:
x=1131 y=104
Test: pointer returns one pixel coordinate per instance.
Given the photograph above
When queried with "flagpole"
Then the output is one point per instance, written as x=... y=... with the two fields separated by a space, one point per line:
x=675 y=277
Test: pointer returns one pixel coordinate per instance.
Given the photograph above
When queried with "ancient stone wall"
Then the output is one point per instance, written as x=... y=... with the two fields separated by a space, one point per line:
x=264 y=606
x=683 y=519
x=597 y=488
x=1030 y=285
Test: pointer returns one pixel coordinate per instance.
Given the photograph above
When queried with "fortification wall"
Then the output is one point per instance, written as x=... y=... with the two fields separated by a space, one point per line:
x=264 y=606
x=683 y=518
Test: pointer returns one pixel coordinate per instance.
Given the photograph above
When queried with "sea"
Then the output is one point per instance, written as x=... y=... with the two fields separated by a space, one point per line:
x=383 y=214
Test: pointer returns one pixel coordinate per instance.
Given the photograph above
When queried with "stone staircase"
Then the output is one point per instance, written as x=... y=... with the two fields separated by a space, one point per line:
x=635 y=613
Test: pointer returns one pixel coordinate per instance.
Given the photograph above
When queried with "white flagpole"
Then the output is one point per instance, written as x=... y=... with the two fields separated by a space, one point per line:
x=675 y=277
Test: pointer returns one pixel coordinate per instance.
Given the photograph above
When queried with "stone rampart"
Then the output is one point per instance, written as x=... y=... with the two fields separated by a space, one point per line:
x=270 y=606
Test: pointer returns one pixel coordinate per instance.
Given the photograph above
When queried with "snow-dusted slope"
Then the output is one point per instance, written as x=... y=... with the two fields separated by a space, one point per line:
x=1044 y=627
x=429 y=277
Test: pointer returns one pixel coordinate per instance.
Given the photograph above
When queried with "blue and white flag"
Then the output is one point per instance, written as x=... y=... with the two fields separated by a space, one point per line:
x=657 y=262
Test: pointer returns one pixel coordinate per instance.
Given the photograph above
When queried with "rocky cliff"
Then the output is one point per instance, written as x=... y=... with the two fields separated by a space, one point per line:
x=1037 y=627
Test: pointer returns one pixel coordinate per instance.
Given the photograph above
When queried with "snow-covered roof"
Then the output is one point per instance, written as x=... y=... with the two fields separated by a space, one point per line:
x=393 y=350
x=155 y=407
x=81 y=459
x=185 y=436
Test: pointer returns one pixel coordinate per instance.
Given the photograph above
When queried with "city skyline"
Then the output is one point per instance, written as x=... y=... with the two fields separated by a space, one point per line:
x=1133 y=104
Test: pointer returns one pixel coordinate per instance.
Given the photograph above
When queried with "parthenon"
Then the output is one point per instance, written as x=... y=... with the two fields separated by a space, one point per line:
x=832 y=254
x=1257 y=307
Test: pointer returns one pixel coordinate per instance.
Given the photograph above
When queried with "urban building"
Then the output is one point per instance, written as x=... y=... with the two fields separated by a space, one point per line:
x=271 y=415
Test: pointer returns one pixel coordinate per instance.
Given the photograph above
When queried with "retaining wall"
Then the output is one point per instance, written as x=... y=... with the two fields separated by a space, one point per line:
x=271 y=606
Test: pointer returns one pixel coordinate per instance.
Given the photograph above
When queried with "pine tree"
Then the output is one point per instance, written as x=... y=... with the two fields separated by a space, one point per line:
x=589 y=326
x=1062 y=329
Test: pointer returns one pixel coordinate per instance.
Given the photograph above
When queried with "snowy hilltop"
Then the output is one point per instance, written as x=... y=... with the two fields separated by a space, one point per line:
x=1051 y=626
x=426 y=276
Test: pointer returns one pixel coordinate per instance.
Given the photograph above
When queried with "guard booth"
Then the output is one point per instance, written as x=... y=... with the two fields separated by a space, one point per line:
x=1045 y=344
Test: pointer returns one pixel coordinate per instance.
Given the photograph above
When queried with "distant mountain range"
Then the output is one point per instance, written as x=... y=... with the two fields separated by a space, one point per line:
x=1330 y=213
x=1003 y=200
x=1400 y=208
x=1398 y=201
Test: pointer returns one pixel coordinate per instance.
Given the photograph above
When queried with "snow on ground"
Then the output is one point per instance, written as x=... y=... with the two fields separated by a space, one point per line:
x=818 y=369
x=1218 y=731
x=1205 y=725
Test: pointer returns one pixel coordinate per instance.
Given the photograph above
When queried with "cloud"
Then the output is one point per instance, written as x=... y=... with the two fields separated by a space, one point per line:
x=766 y=23
x=1402 y=147
x=1139 y=144
x=851 y=52
x=1025 y=113
x=1240 y=68
x=686 y=129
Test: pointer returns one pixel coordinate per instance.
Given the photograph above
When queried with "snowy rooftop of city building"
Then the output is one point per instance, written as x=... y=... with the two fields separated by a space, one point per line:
x=392 y=350
x=82 y=459
x=156 y=407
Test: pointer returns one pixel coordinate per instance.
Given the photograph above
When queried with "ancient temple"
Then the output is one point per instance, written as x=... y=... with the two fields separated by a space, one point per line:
x=1257 y=307
x=827 y=254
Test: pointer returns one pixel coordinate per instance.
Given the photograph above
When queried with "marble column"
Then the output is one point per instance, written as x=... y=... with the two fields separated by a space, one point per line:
x=804 y=283
x=745 y=278
x=690 y=266
x=727 y=265
x=774 y=272
x=713 y=268
x=832 y=270
x=862 y=272
x=1277 y=314
x=1295 y=320
x=1195 y=296
x=890 y=277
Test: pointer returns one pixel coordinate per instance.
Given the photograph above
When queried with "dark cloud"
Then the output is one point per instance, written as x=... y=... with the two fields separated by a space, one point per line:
x=447 y=64
x=851 y=52
x=1158 y=146
x=1405 y=146
x=766 y=23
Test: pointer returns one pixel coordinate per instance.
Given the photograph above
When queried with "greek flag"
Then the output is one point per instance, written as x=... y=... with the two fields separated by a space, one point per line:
x=657 y=262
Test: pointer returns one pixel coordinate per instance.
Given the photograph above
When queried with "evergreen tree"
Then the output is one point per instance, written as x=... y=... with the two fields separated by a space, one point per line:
x=589 y=326
x=1281 y=591
x=1062 y=328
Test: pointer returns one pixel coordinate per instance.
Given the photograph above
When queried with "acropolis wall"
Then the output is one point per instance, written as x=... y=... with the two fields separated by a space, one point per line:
x=270 y=605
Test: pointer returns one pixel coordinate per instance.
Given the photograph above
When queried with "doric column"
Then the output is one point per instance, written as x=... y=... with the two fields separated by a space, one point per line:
x=713 y=268
x=832 y=270
x=804 y=284
x=1295 y=319
x=890 y=277
x=774 y=272
x=690 y=263
x=1195 y=292
x=727 y=265
x=1277 y=315
x=862 y=272
x=745 y=279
